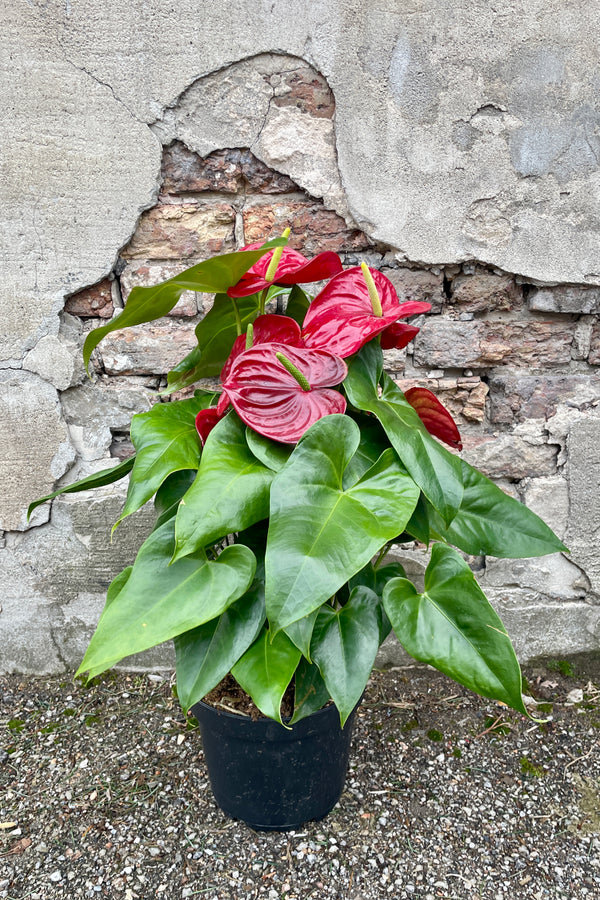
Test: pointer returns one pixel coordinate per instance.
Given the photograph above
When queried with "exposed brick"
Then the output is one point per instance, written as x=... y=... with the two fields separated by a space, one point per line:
x=193 y=229
x=261 y=179
x=151 y=349
x=226 y=171
x=314 y=228
x=305 y=89
x=446 y=343
x=183 y=171
x=417 y=284
x=464 y=398
x=92 y=301
x=484 y=292
x=517 y=398
x=147 y=274
x=565 y=298
x=594 y=357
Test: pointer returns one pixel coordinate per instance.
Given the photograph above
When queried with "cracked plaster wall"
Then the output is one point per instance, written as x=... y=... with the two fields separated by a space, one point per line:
x=450 y=147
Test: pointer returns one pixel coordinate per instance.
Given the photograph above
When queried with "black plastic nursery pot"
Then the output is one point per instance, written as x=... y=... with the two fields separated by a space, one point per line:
x=275 y=778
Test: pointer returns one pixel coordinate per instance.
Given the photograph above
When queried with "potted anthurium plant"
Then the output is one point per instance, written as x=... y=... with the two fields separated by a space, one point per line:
x=277 y=499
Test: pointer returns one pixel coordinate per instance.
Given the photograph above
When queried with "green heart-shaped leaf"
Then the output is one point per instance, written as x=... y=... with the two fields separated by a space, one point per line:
x=452 y=627
x=310 y=691
x=344 y=646
x=321 y=534
x=206 y=654
x=159 y=601
x=266 y=669
x=230 y=492
x=491 y=523
x=297 y=305
x=435 y=470
x=170 y=494
x=184 y=373
x=270 y=453
x=166 y=441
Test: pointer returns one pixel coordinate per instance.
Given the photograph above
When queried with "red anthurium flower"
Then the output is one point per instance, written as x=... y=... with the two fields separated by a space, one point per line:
x=341 y=317
x=265 y=390
x=293 y=268
x=398 y=335
x=266 y=329
x=436 y=419
x=206 y=421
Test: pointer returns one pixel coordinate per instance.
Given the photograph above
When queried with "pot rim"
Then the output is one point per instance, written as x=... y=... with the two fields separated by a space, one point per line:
x=262 y=718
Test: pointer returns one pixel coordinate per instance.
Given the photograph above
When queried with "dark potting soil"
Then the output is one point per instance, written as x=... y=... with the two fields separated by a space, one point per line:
x=230 y=696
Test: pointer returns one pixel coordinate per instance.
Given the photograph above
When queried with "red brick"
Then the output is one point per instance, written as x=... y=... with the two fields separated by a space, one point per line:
x=183 y=171
x=484 y=292
x=261 y=179
x=307 y=90
x=185 y=230
x=447 y=343
x=92 y=301
x=314 y=228
x=224 y=171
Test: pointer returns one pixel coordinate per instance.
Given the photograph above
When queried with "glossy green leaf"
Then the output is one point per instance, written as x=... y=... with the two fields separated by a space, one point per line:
x=310 y=691
x=230 y=493
x=435 y=469
x=320 y=535
x=145 y=304
x=184 y=373
x=344 y=646
x=270 y=453
x=98 y=479
x=218 y=330
x=117 y=584
x=452 y=627
x=376 y=580
x=166 y=441
x=373 y=441
x=383 y=575
x=297 y=305
x=170 y=493
x=206 y=654
x=489 y=522
x=160 y=601
x=266 y=669
x=300 y=632
x=418 y=524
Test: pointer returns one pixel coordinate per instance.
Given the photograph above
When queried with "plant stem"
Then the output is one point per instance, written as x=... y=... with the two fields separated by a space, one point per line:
x=236 y=312
x=382 y=553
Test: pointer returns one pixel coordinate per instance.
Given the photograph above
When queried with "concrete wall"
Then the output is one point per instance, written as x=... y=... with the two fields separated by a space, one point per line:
x=456 y=147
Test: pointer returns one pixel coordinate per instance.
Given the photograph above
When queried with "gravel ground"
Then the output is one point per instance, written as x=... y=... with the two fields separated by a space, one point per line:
x=104 y=793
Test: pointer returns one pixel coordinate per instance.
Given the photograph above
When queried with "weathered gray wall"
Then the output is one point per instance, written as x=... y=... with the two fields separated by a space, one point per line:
x=456 y=146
